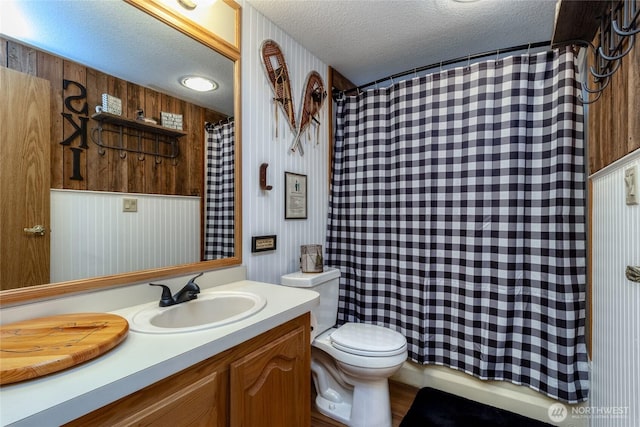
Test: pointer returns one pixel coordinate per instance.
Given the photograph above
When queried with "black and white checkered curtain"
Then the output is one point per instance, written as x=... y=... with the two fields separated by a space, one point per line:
x=457 y=217
x=219 y=191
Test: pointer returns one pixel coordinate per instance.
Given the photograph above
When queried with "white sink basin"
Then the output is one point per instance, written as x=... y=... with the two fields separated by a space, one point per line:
x=210 y=310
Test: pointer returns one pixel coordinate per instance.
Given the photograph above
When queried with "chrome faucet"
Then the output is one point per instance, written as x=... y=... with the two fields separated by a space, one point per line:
x=187 y=293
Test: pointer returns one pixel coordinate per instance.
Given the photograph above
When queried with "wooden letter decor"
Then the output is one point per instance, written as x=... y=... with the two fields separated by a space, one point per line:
x=80 y=129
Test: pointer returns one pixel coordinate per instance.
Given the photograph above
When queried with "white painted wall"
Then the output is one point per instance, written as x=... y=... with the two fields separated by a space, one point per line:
x=615 y=375
x=91 y=235
x=263 y=211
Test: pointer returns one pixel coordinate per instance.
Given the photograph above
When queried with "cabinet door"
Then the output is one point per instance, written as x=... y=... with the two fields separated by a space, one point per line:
x=270 y=386
x=192 y=398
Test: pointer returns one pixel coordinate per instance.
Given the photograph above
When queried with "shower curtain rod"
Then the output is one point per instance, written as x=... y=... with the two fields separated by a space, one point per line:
x=448 y=62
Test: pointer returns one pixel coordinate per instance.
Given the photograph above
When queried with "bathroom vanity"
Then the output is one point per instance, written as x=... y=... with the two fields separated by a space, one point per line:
x=251 y=372
x=262 y=382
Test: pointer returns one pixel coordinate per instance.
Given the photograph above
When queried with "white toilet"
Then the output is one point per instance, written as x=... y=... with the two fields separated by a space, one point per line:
x=350 y=364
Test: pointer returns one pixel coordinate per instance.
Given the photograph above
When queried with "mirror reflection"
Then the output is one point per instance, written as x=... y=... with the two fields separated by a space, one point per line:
x=138 y=169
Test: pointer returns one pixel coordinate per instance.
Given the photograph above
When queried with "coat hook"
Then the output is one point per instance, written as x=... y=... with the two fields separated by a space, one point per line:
x=263 y=177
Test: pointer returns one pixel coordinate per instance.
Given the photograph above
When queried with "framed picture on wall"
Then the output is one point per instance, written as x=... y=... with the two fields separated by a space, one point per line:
x=295 y=196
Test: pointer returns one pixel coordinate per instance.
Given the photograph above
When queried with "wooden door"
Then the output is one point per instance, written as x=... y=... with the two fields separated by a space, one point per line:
x=24 y=179
x=270 y=386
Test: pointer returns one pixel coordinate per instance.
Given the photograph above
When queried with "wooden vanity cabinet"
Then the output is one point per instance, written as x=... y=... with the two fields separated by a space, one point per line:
x=262 y=382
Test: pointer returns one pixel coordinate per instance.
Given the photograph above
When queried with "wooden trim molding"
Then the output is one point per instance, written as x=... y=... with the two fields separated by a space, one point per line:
x=192 y=29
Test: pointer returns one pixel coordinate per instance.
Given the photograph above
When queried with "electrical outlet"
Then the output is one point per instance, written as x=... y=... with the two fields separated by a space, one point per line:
x=129 y=205
x=631 y=185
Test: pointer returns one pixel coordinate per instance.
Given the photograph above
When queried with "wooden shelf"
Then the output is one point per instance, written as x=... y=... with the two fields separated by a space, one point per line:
x=143 y=132
x=137 y=124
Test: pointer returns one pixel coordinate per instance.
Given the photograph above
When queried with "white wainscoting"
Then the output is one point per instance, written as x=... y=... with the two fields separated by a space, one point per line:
x=263 y=211
x=91 y=235
x=615 y=377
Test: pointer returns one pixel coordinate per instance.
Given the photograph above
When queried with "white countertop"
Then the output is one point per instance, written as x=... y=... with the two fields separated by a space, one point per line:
x=143 y=359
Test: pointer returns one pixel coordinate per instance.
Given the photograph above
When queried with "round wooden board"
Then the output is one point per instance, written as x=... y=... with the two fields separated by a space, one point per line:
x=36 y=347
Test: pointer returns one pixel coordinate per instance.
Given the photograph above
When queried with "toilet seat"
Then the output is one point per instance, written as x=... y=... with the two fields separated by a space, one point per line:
x=368 y=340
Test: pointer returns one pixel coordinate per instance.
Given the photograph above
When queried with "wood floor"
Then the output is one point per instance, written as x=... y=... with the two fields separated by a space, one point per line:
x=402 y=396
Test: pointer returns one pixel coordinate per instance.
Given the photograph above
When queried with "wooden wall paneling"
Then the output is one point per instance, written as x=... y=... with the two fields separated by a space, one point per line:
x=619 y=111
x=598 y=135
x=197 y=165
x=180 y=165
x=51 y=68
x=97 y=165
x=163 y=167
x=179 y=169
x=188 y=146
x=604 y=140
x=21 y=58
x=135 y=163
x=76 y=73
x=595 y=131
x=592 y=152
x=154 y=179
x=3 y=52
x=614 y=127
x=189 y=149
x=633 y=93
x=110 y=172
x=170 y=168
x=117 y=164
x=604 y=129
x=212 y=116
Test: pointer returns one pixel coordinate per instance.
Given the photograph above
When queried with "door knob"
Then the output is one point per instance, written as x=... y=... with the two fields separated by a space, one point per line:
x=37 y=230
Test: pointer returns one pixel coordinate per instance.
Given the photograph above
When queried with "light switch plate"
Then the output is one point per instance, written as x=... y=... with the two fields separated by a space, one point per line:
x=631 y=185
x=129 y=205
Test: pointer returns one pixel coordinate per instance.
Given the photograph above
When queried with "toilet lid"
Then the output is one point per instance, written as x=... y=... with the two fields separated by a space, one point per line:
x=368 y=340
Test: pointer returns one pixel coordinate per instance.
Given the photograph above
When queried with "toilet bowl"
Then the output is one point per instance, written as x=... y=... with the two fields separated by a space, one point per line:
x=350 y=364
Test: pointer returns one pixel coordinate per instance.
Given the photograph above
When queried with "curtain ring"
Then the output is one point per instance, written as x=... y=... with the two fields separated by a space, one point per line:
x=469 y=61
x=440 y=66
x=529 y=48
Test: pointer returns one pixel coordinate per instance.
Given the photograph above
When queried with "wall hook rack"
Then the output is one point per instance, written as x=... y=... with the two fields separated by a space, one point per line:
x=154 y=140
x=263 y=177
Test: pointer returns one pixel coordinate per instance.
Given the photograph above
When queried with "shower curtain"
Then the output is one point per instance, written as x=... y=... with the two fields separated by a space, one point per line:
x=457 y=217
x=219 y=191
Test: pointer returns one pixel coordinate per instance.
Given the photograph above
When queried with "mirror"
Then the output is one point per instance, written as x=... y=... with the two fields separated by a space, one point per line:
x=150 y=30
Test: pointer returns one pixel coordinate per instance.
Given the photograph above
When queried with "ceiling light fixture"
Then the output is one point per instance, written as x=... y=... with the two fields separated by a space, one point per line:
x=188 y=4
x=199 y=84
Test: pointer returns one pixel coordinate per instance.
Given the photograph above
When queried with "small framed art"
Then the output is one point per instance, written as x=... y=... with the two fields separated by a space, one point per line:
x=263 y=243
x=295 y=196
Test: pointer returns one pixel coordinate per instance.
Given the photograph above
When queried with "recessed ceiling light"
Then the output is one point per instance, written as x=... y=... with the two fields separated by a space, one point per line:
x=188 y=4
x=200 y=84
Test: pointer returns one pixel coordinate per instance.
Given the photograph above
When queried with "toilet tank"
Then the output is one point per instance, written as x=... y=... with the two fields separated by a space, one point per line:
x=326 y=284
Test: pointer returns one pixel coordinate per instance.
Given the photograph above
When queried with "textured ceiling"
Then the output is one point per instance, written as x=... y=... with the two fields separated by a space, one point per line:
x=367 y=40
x=118 y=39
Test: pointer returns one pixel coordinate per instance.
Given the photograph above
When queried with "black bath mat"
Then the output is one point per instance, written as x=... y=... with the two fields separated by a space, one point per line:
x=435 y=408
